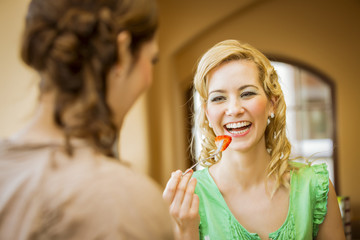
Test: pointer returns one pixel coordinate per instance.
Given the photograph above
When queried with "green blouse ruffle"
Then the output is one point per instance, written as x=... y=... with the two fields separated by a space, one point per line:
x=307 y=207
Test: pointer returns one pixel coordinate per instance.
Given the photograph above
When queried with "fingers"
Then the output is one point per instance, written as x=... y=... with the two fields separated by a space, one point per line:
x=183 y=203
x=194 y=209
x=171 y=186
x=189 y=196
x=181 y=189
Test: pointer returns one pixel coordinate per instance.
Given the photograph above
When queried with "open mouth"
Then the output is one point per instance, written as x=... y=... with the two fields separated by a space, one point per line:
x=238 y=128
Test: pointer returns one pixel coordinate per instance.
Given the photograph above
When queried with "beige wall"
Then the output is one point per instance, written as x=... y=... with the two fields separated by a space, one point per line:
x=324 y=37
x=17 y=82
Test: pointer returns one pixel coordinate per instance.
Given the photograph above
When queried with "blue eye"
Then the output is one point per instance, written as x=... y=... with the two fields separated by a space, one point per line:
x=247 y=94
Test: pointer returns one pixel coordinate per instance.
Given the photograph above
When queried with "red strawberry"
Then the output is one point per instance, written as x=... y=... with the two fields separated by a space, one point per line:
x=227 y=140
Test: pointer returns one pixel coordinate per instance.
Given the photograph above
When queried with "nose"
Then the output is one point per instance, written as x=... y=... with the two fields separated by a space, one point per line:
x=234 y=108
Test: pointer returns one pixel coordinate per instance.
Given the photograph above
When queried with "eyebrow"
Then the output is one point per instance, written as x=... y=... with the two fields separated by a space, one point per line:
x=240 y=88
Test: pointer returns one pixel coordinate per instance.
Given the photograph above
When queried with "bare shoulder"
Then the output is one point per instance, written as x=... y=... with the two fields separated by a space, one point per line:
x=332 y=227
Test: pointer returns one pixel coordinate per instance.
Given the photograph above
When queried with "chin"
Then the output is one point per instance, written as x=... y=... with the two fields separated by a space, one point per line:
x=242 y=146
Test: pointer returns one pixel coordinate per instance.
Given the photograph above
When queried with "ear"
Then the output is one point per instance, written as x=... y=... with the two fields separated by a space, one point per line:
x=124 y=54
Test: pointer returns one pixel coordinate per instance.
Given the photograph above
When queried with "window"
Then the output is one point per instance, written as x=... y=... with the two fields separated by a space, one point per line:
x=310 y=121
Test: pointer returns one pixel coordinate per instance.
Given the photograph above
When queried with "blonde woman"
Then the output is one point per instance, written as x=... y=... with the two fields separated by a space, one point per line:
x=252 y=191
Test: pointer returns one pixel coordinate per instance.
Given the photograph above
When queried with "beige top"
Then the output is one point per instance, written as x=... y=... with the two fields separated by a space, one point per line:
x=44 y=194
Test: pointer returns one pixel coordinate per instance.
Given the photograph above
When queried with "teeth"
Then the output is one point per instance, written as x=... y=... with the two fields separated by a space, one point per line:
x=238 y=132
x=237 y=125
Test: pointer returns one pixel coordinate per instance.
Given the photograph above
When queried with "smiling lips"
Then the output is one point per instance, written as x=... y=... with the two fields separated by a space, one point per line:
x=238 y=128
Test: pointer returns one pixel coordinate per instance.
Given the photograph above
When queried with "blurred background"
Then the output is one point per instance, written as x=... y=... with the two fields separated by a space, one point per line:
x=315 y=48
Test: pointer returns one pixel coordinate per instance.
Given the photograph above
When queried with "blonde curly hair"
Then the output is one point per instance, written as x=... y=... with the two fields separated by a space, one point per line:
x=276 y=140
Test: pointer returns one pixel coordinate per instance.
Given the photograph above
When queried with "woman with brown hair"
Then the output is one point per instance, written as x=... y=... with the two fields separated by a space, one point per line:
x=253 y=190
x=59 y=178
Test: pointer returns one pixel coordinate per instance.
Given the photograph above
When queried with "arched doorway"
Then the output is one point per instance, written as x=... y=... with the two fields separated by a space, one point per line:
x=311 y=123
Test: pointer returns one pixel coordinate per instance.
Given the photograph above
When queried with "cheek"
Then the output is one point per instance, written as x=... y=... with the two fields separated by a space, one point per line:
x=148 y=74
x=146 y=71
x=211 y=115
x=214 y=114
x=259 y=107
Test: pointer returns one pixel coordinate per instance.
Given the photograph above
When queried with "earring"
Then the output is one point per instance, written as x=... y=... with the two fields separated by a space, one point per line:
x=272 y=115
x=210 y=126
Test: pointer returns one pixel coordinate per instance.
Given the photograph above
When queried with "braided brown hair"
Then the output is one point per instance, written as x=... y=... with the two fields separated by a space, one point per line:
x=72 y=43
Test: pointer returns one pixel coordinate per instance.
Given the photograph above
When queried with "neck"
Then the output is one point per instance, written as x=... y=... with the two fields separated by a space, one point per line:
x=42 y=127
x=245 y=168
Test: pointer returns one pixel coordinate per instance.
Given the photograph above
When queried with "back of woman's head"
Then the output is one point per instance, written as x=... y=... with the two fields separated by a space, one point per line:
x=275 y=133
x=73 y=44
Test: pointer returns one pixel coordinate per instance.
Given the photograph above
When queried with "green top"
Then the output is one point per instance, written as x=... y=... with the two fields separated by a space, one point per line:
x=309 y=186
